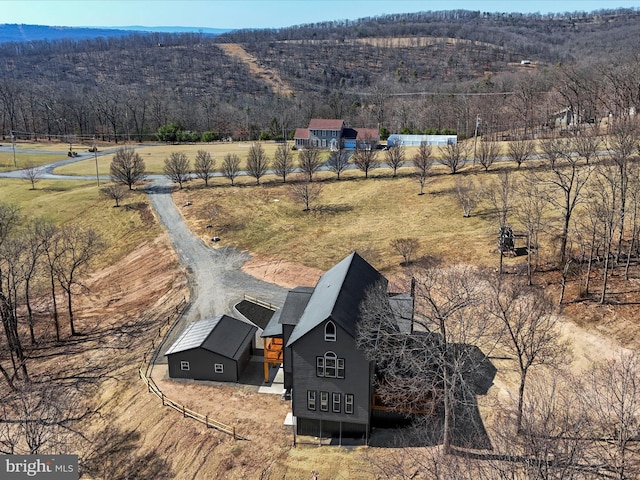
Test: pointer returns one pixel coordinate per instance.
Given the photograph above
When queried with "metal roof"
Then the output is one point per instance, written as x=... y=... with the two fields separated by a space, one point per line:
x=223 y=335
x=338 y=295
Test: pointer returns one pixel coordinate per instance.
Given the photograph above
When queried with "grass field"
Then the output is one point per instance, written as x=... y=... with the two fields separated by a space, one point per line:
x=154 y=156
x=80 y=202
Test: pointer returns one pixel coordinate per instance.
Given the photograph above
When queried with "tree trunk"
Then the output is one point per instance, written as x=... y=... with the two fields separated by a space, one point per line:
x=70 y=307
x=55 y=308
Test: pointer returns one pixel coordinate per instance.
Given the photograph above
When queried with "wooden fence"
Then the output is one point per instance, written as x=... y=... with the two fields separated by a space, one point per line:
x=260 y=302
x=145 y=374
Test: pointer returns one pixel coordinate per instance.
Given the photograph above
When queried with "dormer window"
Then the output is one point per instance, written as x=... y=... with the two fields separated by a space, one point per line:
x=330 y=332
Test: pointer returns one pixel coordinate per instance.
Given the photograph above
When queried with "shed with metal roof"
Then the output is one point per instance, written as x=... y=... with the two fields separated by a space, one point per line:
x=217 y=348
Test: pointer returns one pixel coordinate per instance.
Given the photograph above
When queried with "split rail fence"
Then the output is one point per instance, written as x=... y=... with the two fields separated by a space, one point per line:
x=145 y=374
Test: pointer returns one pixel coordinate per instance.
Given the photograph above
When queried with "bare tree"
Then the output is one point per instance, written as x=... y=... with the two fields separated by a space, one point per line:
x=231 y=166
x=613 y=399
x=78 y=247
x=567 y=179
x=127 y=167
x=114 y=191
x=453 y=155
x=554 y=442
x=467 y=195
x=309 y=161
x=283 y=163
x=305 y=192
x=177 y=167
x=338 y=160
x=606 y=196
x=204 y=166
x=366 y=156
x=406 y=247
x=554 y=148
x=585 y=143
x=529 y=326
x=489 y=153
x=257 y=162
x=436 y=360
x=520 y=150
x=394 y=158
x=530 y=209
x=422 y=163
x=32 y=174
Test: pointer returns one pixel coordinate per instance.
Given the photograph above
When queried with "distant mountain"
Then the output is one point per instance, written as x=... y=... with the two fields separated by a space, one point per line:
x=33 y=33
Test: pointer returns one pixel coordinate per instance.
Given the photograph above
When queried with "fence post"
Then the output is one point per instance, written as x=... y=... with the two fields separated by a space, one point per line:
x=162 y=393
x=184 y=414
x=234 y=433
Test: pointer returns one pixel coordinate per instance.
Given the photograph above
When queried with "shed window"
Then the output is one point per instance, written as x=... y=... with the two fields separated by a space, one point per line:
x=311 y=399
x=184 y=365
x=324 y=401
x=348 y=403
x=330 y=332
x=218 y=367
x=335 y=401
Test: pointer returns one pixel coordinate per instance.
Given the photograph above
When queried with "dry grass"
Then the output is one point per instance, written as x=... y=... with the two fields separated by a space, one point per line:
x=352 y=214
x=154 y=156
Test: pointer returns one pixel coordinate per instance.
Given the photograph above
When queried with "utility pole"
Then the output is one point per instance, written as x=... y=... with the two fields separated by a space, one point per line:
x=95 y=154
x=475 y=138
x=13 y=143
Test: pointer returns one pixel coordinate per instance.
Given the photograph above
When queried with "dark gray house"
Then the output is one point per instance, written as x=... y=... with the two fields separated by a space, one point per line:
x=216 y=348
x=330 y=378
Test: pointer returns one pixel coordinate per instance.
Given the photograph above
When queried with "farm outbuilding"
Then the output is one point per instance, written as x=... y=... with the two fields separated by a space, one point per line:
x=217 y=348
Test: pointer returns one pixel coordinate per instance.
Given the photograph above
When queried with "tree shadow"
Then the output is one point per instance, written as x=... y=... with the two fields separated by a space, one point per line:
x=115 y=454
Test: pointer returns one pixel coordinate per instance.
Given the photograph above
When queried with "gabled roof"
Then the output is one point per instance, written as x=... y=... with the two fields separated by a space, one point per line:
x=294 y=305
x=224 y=335
x=367 y=133
x=338 y=295
x=302 y=133
x=325 y=124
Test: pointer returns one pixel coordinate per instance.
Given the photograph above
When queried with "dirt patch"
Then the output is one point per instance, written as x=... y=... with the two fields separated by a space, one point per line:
x=270 y=77
x=282 y=272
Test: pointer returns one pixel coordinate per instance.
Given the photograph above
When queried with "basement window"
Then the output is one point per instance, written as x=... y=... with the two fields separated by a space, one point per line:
x=184 y=365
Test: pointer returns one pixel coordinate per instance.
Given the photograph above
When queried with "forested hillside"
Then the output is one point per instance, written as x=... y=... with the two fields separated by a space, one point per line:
x=410 y=72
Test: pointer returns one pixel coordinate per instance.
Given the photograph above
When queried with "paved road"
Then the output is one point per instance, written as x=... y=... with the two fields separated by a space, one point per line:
x=216 y=281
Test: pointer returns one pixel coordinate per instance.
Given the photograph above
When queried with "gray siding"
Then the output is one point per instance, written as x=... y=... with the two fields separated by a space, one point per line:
x=286 y=330
x=356 y=379
x=201 y=365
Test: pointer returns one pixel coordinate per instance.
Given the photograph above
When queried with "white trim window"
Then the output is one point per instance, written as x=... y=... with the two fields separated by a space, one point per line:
x=324 y=401
x=184 y=365
x=336 y=401
x=218 y=367
x=330 y=331
x=330 y=366
x=311 y=399
x=348 y=403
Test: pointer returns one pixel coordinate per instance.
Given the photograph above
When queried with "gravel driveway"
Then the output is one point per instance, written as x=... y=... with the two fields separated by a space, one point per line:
x=216 y=281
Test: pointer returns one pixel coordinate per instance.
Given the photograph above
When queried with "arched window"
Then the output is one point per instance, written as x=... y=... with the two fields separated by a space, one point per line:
x=330 y=366
x=330 y=332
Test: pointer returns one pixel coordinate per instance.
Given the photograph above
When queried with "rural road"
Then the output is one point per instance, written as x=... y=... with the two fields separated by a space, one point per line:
x=216 y=281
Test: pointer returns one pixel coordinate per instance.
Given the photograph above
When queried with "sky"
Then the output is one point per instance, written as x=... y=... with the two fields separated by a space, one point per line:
x=234 y=14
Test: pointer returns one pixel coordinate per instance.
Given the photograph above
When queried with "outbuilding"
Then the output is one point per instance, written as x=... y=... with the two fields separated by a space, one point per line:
x=217 y=348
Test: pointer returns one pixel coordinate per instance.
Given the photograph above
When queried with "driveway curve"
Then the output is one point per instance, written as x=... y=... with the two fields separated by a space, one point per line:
x=215 y=276
x=216 y=281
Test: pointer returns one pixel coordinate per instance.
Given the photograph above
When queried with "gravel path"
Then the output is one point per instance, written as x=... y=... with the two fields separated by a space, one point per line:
x=216 y=281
